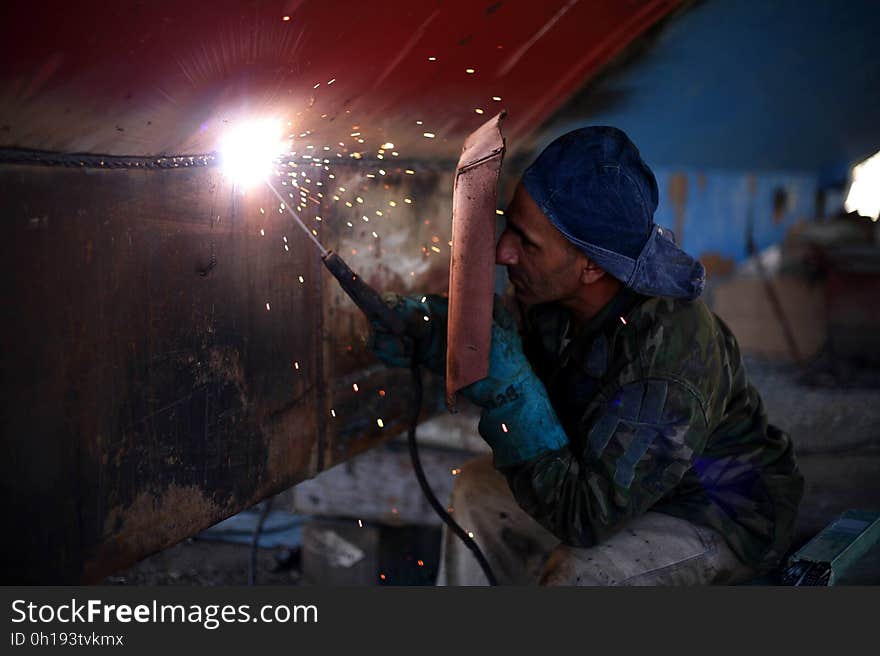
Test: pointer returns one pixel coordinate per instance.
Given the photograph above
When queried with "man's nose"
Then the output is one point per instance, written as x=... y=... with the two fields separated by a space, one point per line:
x=506 y=252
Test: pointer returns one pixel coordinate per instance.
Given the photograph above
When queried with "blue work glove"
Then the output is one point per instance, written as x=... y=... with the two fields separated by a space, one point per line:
x=517 y=420
x=425 y=340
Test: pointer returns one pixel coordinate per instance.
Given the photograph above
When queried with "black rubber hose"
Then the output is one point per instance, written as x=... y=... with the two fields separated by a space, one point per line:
x=426 y=489
x=255 y=541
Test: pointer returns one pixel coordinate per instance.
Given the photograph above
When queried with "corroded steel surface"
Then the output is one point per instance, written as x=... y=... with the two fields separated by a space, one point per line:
x=471 y=272
x=163 y=365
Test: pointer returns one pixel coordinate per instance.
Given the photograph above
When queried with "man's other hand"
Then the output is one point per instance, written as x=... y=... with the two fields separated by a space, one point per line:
x=425 y=340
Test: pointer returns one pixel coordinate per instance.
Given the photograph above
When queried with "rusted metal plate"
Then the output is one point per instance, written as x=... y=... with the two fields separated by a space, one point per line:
x=143 y=400
x=167 y=362
x=472 y=270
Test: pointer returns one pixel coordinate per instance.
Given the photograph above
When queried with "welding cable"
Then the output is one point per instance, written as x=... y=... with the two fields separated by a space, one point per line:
x=426 y=488
x=255 y=540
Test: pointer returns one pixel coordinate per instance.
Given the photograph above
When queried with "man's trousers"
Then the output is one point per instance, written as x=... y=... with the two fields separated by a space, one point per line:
x=653 y=549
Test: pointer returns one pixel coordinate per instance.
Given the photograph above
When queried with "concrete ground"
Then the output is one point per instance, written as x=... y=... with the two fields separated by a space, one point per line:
x=836 y=433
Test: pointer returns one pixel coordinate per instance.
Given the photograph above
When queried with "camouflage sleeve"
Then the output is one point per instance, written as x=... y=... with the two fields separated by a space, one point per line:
x=635 y=447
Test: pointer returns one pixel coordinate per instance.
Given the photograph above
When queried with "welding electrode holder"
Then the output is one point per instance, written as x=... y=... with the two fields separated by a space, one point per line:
x=377 y=311
x=364 y=296
x=415 y=335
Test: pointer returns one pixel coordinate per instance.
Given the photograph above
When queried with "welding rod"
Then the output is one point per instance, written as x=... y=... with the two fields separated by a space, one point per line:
x=285 y=205
x=364 y=296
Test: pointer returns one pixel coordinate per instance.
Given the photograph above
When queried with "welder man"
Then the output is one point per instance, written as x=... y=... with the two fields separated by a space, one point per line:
x=628 y=446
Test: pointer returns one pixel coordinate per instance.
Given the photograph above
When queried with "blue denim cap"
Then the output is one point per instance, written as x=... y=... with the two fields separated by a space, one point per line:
x=594 y=187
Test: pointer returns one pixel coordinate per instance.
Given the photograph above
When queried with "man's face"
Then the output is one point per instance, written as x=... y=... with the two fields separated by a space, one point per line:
x=542 y=265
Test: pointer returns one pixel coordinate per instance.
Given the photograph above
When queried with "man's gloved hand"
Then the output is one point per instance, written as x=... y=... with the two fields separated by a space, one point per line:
x=517 y=421
x=425 y=340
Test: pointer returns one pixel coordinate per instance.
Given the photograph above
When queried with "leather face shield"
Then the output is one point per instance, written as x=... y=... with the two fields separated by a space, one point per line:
x=472 y=267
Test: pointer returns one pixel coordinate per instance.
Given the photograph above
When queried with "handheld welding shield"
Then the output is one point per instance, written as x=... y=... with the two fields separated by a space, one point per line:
x=472 y=267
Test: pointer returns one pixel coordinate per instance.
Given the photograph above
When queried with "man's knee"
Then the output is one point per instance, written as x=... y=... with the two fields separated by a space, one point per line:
x=574 y=566
x=476 y=477
x=653 y=549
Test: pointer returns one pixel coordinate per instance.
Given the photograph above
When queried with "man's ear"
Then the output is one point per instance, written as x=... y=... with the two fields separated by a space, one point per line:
x=591 y=272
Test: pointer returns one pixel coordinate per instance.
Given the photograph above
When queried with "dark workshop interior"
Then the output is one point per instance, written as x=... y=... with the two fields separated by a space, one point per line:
x=190 y=398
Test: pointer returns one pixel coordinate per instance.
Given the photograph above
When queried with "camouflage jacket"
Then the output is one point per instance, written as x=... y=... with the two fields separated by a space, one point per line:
x=660 y=415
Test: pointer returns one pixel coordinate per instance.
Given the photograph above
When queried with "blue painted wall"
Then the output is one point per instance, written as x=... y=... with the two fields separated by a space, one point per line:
x=718 y=203
x=785 y=92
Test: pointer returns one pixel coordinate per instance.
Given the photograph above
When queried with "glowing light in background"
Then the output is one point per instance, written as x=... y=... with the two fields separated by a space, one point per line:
x=864 y=194
x=249 y=149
